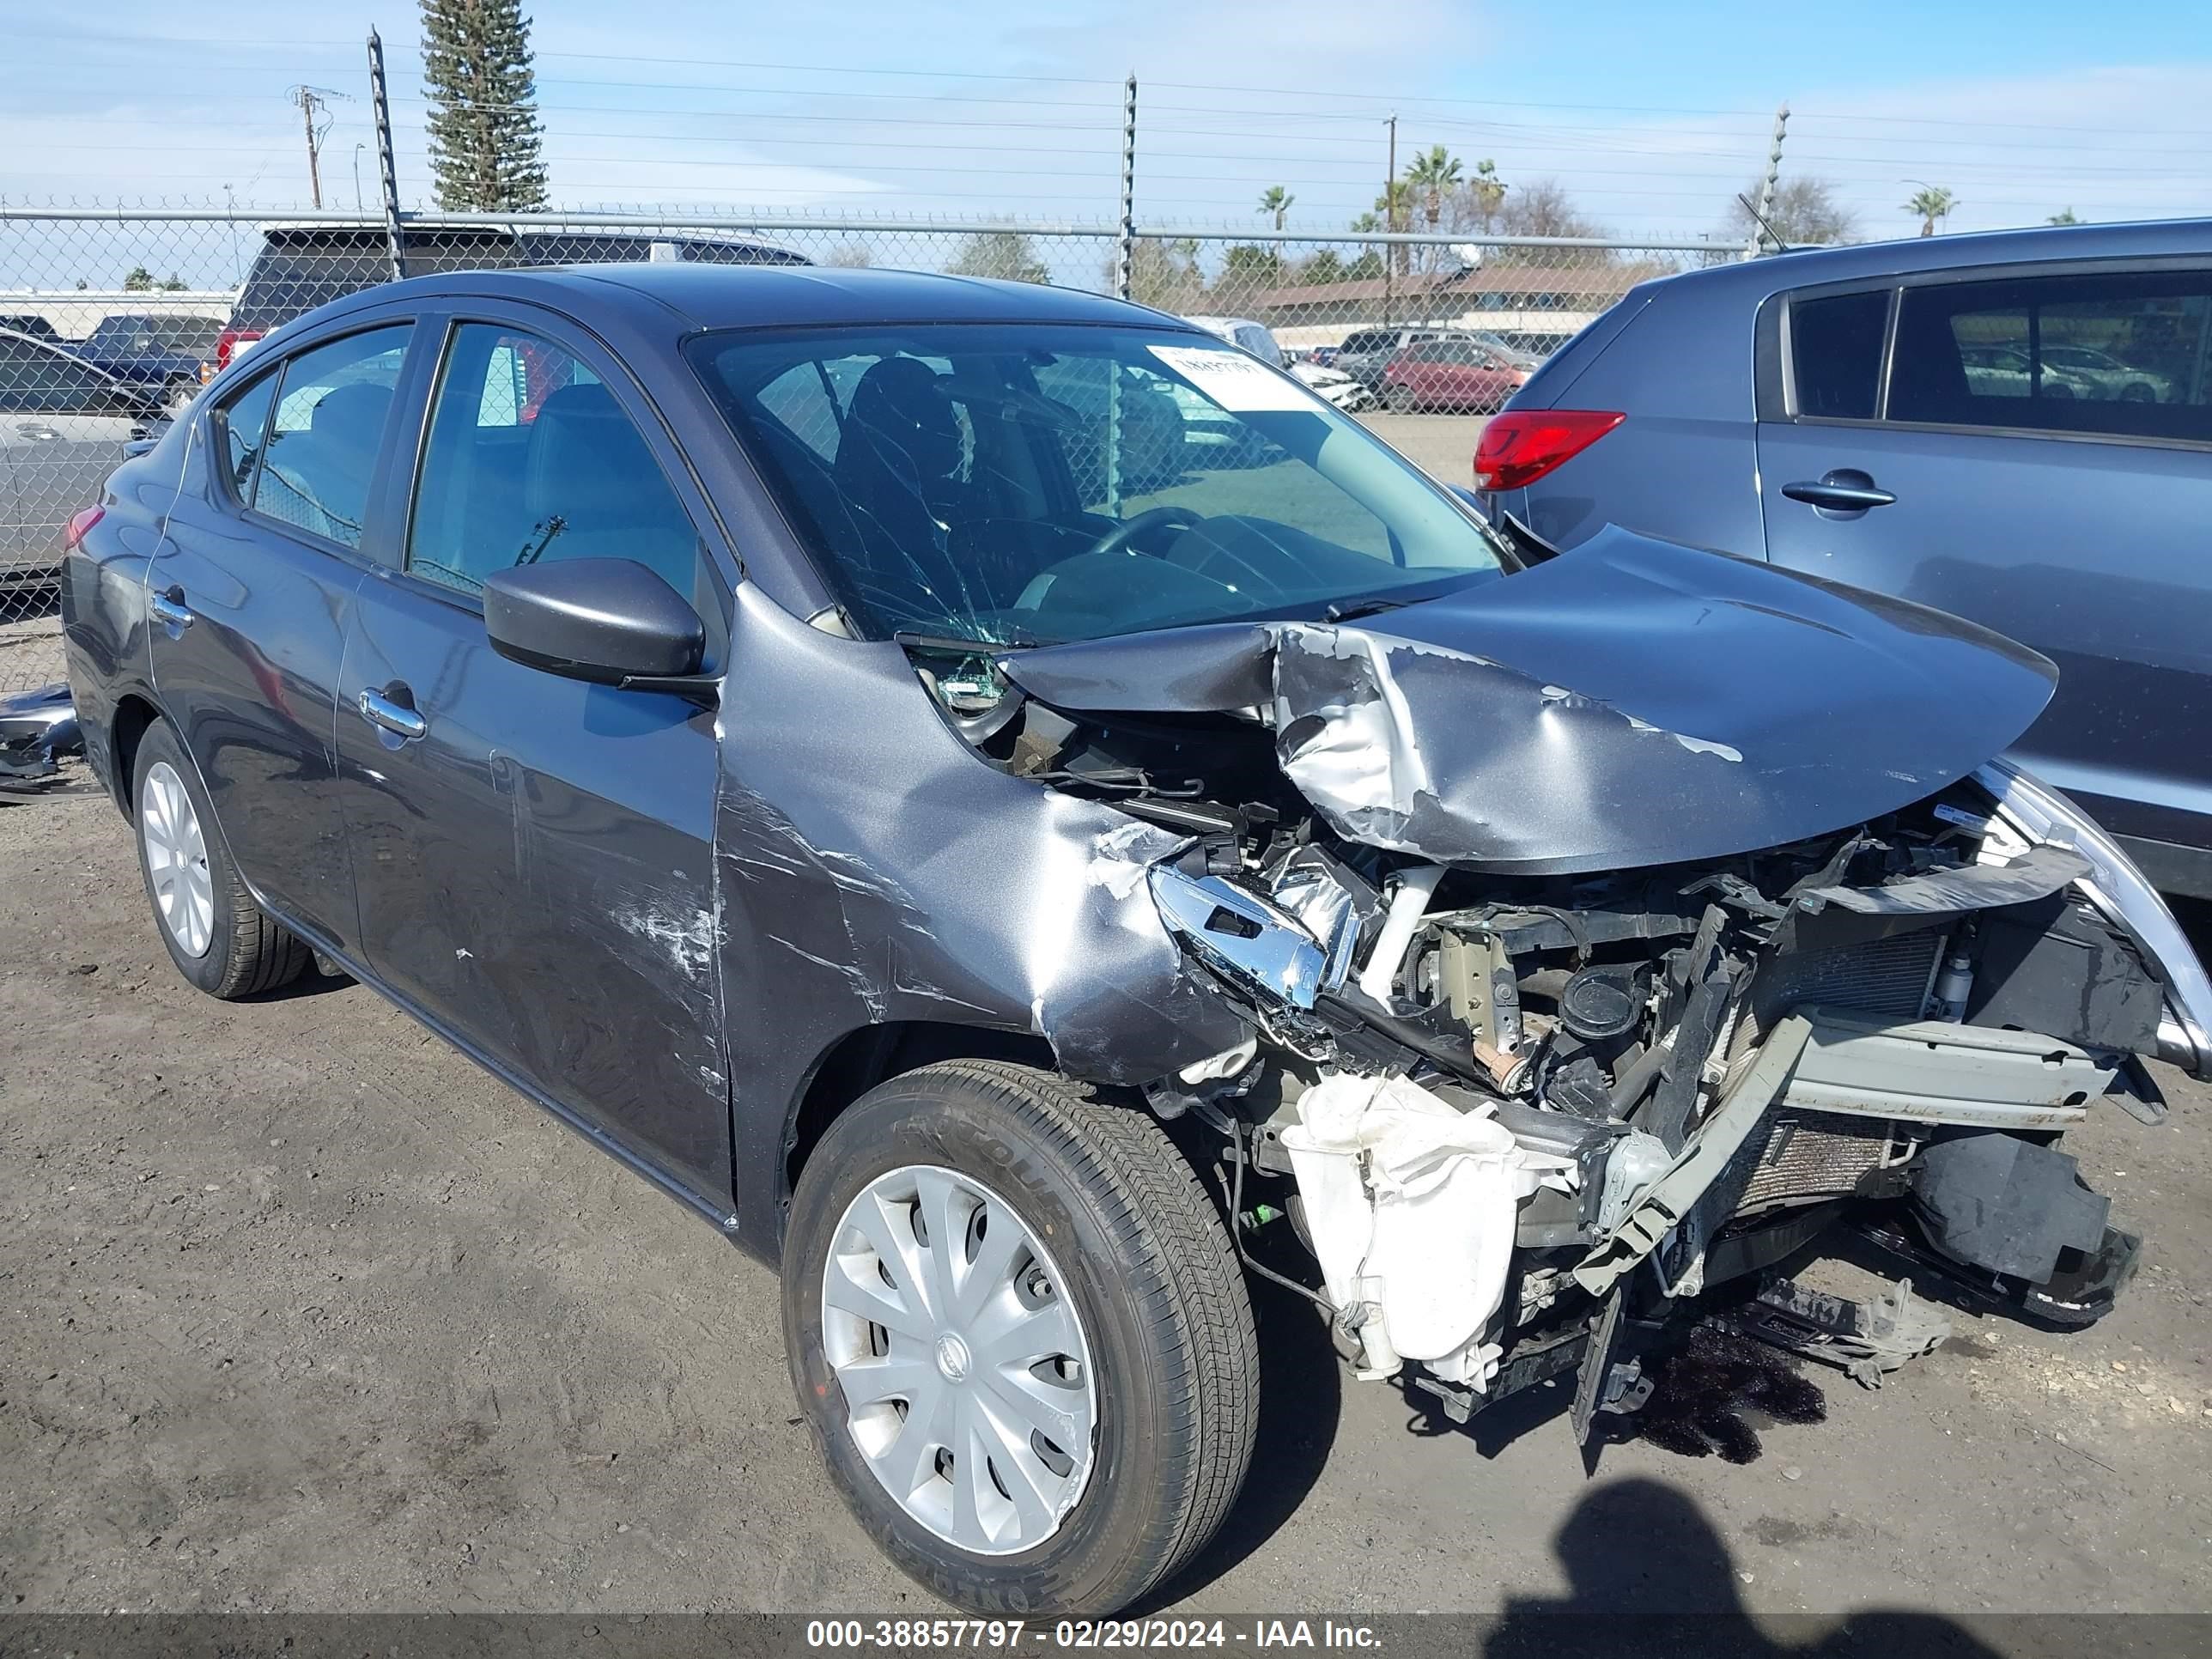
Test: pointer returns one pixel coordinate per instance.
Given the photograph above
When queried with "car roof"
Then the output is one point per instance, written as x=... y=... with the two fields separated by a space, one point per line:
x=712 y=296
x=53 y=348
x=1808 y=267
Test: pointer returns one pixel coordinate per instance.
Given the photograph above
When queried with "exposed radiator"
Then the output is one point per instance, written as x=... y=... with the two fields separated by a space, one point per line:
x=1882 y=977
x=1887 y=977
x=1812 y=1156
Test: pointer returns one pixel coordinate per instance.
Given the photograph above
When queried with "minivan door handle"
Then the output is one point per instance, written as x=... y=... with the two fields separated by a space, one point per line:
x=390 y=715
x=1846 y=489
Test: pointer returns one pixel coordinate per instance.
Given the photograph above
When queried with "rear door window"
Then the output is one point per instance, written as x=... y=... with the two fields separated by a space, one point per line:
x=2122 y=353
x=1835 y=354
x=333 y=404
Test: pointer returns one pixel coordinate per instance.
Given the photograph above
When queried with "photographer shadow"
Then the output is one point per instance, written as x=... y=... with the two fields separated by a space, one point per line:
x=1648 y=1573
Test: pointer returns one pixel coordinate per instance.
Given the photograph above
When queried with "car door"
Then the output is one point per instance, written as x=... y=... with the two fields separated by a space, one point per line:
x=20 y=550
x=63 y=426
x=534 y=855
x=1976 y=478
x=1479 y=381
x=250 y=589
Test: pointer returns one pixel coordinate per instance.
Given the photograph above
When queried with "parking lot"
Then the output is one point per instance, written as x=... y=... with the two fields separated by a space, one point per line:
x=304 y=1312
x=1443 y=445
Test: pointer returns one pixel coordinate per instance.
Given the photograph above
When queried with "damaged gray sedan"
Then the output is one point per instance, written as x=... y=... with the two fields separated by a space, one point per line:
x=1020 y=814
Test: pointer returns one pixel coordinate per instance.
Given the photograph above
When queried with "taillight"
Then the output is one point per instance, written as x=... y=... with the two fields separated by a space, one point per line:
x=80 y=522
x=231 y=342
x=1521 y=444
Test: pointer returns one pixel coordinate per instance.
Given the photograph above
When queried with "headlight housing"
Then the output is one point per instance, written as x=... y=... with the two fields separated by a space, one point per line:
x=2039 y=813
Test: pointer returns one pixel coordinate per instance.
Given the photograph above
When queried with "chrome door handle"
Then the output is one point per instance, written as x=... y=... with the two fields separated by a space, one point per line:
x=396 y=718
x=170 y=611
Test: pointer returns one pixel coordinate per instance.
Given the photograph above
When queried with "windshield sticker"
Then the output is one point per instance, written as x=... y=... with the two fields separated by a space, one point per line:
x=1234 y=379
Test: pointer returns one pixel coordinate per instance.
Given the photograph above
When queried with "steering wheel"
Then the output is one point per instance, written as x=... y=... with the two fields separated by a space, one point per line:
x=1117 y=539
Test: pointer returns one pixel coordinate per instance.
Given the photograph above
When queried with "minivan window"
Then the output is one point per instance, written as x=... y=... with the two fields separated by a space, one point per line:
x=319 y=459
x=1835 y=353
x=530 y=457
x=2124 y=354
x=1010 y=482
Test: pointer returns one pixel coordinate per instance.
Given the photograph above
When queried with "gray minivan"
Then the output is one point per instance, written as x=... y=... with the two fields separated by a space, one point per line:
x=2015 y=426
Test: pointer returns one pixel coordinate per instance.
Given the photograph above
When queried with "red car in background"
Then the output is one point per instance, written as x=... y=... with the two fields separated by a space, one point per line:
x=1455 y=375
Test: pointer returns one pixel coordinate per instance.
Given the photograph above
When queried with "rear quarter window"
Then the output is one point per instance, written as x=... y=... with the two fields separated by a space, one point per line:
x=2119 y=354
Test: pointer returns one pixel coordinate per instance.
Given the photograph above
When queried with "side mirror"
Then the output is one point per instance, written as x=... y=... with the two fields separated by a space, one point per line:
x=611 y=622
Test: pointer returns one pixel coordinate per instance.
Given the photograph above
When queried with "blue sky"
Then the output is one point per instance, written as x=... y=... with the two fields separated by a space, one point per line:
x=1650 y=116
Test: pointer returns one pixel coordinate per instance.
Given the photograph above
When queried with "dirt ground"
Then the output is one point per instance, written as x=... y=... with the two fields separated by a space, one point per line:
x=301 y=1311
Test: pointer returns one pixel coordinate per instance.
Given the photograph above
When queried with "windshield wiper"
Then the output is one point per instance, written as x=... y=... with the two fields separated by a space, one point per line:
x=1018 y=640
x=1358 y=608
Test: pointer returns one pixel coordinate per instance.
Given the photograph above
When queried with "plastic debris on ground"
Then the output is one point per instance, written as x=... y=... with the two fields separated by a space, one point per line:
x=38 y=729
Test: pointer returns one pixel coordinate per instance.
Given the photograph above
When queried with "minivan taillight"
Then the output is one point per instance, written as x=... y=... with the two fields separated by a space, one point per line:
x=1521 y=444
x=80 y=522
x=231 y=342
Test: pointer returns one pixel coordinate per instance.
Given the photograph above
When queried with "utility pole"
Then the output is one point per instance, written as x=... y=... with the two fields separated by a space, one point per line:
x=1390 y=222
x=1766 y=184
x=311 y=101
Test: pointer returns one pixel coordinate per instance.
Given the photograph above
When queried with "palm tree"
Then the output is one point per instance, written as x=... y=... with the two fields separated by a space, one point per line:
x=1276 y=200
x=1931 y=203
x=1431 y=175
x=1488 y=191
x=1395 y=205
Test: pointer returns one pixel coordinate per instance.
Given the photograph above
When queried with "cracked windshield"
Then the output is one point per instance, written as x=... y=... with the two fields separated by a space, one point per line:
x=1018 y=485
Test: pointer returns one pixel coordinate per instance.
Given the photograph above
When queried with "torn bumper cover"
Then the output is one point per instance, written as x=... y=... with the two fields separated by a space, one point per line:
x=2039 y=816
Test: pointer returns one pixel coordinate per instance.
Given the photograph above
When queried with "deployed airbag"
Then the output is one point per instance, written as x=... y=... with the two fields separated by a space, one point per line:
x=1412 y=1207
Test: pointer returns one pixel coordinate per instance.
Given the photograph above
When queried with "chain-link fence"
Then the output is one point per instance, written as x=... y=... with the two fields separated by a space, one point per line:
x=111 y=320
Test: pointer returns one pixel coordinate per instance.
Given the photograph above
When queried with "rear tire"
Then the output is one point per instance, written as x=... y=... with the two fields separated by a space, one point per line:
x=1398 y=399
x=1130 y=1242
x=219 y=938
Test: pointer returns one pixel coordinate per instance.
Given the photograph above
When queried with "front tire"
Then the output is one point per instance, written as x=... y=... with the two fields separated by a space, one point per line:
x=952 y=1221
x=1398 y=399
x=218 y=936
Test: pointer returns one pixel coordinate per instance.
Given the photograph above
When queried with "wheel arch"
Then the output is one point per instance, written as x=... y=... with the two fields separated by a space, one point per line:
x=869 y=1054
x=135 y=715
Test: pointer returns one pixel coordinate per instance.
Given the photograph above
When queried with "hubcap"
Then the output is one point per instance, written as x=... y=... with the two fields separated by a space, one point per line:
x=176 y=859
x=965 y=1369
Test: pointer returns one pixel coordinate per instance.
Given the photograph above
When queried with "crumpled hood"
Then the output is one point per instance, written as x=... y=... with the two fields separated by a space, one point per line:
x=1633 y=703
